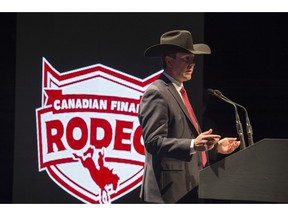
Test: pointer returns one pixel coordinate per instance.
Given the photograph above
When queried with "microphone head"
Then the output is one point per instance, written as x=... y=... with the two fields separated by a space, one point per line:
x=211 y=91
x=217 y=92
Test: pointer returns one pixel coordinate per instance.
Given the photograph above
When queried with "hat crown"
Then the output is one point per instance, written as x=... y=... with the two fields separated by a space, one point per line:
x=179 y=38
x=176 y=41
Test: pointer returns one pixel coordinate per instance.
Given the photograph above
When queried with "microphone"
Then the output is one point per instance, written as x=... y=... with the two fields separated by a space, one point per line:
x=239 y=126
x=249 y=129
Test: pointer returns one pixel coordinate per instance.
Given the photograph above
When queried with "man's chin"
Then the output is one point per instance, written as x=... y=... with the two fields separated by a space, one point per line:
x=188 y=77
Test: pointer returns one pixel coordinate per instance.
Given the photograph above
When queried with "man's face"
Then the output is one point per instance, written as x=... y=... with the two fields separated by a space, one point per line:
x=181 y=67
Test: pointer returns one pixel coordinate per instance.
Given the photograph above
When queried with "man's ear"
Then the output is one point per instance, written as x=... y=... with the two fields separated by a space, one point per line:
x=168 y=60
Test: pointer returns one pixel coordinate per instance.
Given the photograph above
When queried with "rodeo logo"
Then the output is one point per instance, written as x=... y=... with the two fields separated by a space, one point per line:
x=89 y=138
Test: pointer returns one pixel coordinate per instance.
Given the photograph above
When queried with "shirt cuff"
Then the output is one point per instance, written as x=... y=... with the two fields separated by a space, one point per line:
x=192 y=150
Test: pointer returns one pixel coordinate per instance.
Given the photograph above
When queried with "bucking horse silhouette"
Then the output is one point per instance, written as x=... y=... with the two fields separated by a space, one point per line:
x=102 y=176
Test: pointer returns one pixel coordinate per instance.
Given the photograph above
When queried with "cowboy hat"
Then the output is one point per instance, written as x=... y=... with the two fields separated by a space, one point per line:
x=180 y=40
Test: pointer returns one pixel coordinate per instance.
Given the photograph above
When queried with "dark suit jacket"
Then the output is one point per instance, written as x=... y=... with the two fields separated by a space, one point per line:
x=170 y=171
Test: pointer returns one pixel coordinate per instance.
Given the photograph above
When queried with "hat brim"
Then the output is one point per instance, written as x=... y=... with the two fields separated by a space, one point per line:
x=159 y=49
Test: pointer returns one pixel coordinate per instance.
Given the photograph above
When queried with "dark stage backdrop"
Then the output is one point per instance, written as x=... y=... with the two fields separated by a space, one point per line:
x=248 y=64
x=7 y=97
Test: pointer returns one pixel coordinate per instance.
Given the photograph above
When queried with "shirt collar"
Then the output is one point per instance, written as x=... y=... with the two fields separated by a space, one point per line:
x=175 y=83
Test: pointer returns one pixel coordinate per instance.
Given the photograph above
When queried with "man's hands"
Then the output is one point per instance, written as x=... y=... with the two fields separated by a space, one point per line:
x=206 y=141
x=228 y=145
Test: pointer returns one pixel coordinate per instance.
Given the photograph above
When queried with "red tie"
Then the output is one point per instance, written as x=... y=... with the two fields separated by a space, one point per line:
x=193 y=117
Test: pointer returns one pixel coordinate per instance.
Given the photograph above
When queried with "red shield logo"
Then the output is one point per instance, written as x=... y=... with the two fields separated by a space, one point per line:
x=89 y=138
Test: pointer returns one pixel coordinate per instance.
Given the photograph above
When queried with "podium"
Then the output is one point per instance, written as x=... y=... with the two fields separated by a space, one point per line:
x=258 y=173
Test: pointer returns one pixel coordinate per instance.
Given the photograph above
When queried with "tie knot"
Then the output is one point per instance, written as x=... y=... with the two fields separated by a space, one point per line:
x=182 y=90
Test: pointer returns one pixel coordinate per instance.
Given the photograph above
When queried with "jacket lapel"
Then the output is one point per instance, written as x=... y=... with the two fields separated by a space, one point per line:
x=181 y=104
x=176 y=95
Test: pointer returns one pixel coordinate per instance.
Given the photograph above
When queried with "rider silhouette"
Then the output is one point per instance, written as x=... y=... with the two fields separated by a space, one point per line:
x=102 y=176
x=100 y=160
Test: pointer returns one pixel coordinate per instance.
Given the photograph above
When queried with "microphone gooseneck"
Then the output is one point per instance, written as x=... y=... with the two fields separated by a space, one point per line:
x=239 y=126
x=249 y=129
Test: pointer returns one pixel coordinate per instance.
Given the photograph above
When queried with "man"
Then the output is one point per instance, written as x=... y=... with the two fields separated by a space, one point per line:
x=175 y=147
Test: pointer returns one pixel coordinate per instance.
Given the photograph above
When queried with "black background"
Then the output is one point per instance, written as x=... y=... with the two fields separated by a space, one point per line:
x=248 y=64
